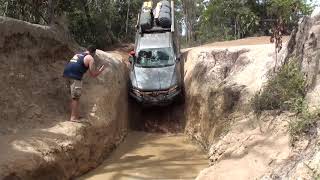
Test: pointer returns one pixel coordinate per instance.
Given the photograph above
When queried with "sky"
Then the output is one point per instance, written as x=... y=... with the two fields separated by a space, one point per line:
x=317 y=7
x=315 y=2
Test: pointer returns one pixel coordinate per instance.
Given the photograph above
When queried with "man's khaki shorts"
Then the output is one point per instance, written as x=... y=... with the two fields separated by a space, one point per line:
x=75 y=88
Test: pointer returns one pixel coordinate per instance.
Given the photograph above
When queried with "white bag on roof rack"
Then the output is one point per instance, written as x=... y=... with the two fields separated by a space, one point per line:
x=146 y=16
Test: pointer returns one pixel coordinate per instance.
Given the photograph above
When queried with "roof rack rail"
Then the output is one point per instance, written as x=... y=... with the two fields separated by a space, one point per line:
x=156 y=29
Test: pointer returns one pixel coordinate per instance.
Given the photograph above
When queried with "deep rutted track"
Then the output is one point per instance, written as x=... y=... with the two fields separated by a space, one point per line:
x=155 y=149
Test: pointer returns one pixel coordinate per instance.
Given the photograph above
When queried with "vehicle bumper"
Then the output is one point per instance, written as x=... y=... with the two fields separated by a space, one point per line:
x=158 y=100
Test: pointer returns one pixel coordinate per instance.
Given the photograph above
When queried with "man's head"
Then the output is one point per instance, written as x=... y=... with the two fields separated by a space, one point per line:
x=92 y=49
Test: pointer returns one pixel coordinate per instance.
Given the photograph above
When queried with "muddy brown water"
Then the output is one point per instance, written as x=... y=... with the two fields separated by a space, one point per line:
x=155 y=149
x=151 y=156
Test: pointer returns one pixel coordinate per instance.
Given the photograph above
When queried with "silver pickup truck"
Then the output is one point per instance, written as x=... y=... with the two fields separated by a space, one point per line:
x=156 y=76
x=157 y=70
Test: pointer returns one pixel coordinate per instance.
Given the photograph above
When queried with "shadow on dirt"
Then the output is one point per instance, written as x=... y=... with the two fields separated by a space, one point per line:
x=166 y=119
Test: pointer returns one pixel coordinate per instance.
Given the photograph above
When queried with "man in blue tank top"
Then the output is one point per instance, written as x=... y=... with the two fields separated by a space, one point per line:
x=74 y=72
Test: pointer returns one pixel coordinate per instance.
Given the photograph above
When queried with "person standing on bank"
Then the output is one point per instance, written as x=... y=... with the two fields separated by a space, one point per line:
x=74 y=72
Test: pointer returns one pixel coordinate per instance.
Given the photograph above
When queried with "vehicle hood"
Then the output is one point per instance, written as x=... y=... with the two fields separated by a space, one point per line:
x=150 y=79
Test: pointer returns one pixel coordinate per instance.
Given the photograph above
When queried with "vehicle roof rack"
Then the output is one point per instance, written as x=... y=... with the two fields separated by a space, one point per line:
x=158 y=29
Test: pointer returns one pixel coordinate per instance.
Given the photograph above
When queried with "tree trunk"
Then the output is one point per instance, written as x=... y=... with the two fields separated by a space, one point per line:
x=89 y=22
x=190 y=18
x=6 y=10
x=235 y=29
x=50 y=11
x=36 y=14
x=127 y=21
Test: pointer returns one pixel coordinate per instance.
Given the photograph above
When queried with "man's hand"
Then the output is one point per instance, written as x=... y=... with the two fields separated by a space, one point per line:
x=103 y=67
x=89 y=62
x=97 y=72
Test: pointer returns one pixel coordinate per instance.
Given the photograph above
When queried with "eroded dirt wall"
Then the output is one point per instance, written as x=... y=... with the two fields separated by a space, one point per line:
x=36 y=139
x=304 y=46
x=219 y=82
x=31 y=89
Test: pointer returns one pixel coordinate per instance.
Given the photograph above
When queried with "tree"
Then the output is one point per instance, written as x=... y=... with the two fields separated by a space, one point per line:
x=234 y=19
x=107 y=22
x=229 y=19
x=288 y=12
x=90 y=21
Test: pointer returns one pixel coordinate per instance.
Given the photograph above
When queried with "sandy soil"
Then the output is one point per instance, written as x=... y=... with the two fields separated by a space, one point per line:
x=246 y=41
x=251 y=148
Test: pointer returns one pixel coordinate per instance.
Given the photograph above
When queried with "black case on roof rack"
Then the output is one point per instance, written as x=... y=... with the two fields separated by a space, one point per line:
x=160 y=19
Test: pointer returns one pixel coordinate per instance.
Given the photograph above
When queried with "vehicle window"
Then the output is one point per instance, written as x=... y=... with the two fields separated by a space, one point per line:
x=156 y=57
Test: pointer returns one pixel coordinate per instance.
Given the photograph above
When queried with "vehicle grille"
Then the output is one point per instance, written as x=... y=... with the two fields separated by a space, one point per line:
x=155 y=93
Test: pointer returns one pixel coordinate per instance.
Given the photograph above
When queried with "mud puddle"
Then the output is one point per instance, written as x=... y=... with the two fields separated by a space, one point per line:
x=152 y=156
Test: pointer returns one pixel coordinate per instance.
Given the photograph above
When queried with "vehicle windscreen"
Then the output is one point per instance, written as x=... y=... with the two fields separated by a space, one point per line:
x=155 y=57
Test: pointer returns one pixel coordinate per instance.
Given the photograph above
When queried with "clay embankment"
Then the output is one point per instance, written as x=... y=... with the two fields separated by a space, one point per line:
x=37 y=141
x=220 y=82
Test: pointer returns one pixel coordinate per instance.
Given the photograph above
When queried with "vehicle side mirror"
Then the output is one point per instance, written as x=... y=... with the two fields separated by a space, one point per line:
x=131 y=56
x=132 y=53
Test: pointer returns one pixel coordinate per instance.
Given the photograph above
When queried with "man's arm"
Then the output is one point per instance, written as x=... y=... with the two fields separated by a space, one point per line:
x=92 y=68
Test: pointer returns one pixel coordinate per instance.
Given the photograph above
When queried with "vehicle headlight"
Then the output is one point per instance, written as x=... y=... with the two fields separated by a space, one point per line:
x=173 y=89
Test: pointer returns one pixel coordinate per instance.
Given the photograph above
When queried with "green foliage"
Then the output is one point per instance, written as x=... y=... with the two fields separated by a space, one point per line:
x=303 y=123
x=25 y=10
x=289 y=11
x=234 y=19
x=102 y=22
x=228 y=19
x=284 y=91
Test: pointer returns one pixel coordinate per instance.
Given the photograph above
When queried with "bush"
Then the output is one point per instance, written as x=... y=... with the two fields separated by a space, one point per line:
x=303 y=124
x=284 y=91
